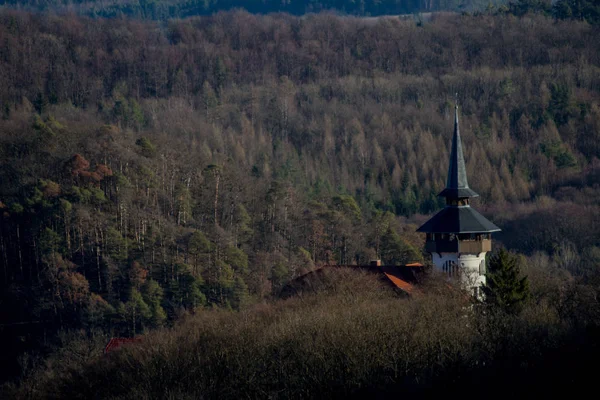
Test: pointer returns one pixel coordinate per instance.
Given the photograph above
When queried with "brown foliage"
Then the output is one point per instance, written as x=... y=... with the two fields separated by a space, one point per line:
x=347 y=338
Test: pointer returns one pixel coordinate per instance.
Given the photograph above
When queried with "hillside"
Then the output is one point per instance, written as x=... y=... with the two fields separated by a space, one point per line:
x=349 y=337
x=167 y=9
x=152 y=169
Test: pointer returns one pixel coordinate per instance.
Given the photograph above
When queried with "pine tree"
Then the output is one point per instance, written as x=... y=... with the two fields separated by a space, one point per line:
x=504 y=287
x=239 y=293
x=396 y=251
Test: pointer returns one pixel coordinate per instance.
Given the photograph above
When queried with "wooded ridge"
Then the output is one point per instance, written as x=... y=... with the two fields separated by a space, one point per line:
x=148 y=169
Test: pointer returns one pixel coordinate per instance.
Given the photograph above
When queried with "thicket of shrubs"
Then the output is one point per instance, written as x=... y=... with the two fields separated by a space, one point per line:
x=150 y=169
x=350 y=335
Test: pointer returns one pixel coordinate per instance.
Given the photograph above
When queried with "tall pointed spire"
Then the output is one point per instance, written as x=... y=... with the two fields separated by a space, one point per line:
x=457 y=185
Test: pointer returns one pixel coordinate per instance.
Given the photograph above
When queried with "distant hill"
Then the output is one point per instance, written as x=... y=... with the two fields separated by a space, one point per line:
x=164 y=9
x=152 y=169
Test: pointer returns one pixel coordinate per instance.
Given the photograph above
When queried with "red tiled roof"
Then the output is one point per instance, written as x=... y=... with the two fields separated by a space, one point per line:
x=399 y=283
x=416 y=264
x=115 y=343
x=401 y=276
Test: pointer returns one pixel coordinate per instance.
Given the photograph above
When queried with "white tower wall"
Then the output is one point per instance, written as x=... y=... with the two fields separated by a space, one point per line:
x=469 y=268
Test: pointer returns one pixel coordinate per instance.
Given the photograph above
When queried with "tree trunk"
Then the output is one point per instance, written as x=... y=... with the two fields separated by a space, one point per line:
x=217 y=179
x=98 y=259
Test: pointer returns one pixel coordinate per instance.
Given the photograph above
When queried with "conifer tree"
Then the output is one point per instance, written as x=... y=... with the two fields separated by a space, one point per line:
x=504 y=287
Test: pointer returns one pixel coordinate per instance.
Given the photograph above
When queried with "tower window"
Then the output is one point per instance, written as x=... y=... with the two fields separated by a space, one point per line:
x=482 y=270
x=451 y=268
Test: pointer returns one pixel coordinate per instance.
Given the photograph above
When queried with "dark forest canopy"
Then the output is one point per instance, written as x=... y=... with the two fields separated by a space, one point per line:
x=588 y=10
x=163 y=9
x=148 y=169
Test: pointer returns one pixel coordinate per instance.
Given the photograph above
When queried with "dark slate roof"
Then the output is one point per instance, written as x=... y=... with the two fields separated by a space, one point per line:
x=457 y=185
x=458 y=193
x=458 y=219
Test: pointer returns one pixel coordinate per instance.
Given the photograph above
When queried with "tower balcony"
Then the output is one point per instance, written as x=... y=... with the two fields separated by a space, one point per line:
x=447 y=244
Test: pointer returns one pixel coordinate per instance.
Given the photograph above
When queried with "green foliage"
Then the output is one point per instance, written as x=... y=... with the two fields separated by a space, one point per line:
x=237 y=259
x=99 y=312
x=87 y=195
x=134 y=313
x=560 y=106
x=522 y=7
x=116 y=245
x=186 y=290
x=505 y=288
x=128 y=112
x=66 y=206
x=153 y=296
x=582 y=10
x=137 y=114
x=347 y=206
x=588 y=10
x=279 y=275
x=240 y=297
x=184 y=204
x=50 y=242
x=46 y=134
x=97 y=196
x=396 y=251
x=36 y=197
x=225 y=277
x=562 y=157
x=243 y=220
x=198 y=243
x=306 y=258
x=121 y=180
x=147 y=148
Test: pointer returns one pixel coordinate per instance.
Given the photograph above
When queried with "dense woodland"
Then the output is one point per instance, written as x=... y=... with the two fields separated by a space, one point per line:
x=152 y=169
x=588 y=10
x=164 y=9
x=347 y=335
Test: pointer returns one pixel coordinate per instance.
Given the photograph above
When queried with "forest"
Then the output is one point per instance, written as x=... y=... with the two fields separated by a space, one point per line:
x=165 y=9
x=151 y=170
x=588 y=10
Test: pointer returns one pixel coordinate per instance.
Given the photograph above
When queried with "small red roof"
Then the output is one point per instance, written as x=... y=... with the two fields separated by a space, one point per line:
x=115 y=343
x=399 y=283
x=416 y=264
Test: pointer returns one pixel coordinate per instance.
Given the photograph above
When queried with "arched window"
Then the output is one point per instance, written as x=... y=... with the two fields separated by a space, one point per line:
x=451 y=268
x=482 y=270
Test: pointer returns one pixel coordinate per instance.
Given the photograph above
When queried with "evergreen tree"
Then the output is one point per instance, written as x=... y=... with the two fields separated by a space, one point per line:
x=504 y=287
x=240 y=295
x=135 y=312
x=396 y=251
x=153 y=295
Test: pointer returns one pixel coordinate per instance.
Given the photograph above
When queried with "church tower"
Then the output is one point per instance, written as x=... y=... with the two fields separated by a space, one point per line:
x=458 y=236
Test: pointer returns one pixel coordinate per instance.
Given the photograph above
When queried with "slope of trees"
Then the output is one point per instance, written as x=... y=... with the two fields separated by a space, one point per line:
x=582 y=10
x=150 y=169
x=165 y=9
x=347 y=337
